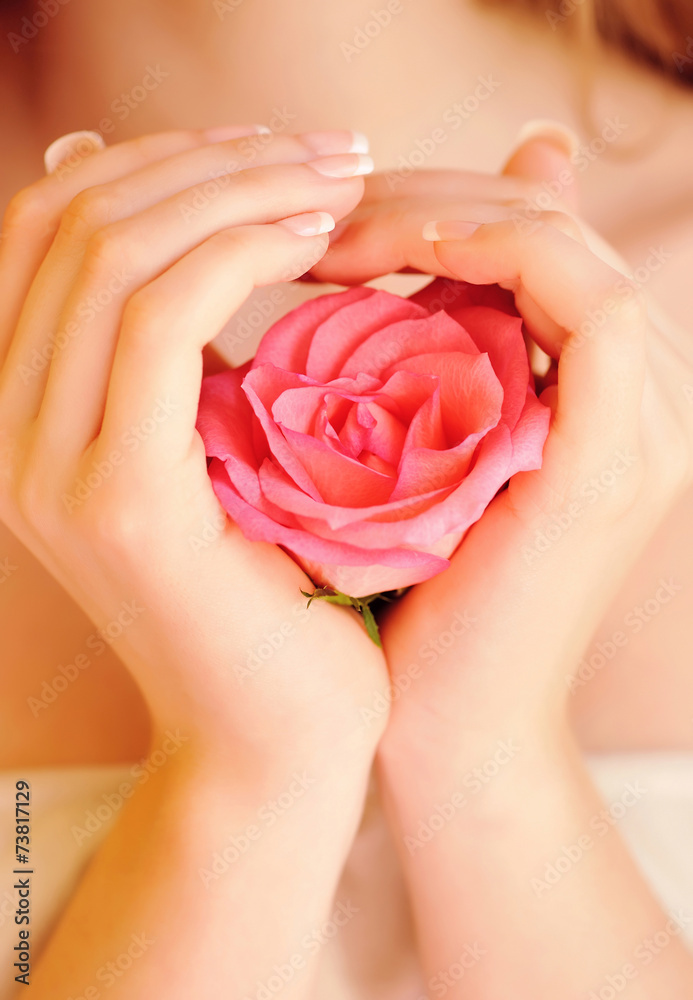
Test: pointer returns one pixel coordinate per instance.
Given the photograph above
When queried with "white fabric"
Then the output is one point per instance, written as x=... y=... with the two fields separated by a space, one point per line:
x=73 y=809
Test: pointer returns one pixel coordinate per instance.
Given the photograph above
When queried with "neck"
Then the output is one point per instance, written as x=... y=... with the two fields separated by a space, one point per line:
x=236 y=60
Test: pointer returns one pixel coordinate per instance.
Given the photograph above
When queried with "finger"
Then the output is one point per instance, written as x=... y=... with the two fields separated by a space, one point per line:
x=385 y=237
x=32 y=217
x=598 y=318
x=72 y=147
x=444 y=184
x=119 y=260
x=545 y=154
x=154 y=389
x=201 y=172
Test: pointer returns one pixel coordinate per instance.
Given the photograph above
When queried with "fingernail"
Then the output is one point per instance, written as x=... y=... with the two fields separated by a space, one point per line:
x=456 y=230
x=336 y=141
x=222 y=133
x=346 y=165
x=73 y=143
x=550 y=131
x=309 y=224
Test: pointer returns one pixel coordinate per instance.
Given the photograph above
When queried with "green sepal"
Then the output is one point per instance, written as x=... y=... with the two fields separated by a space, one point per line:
x=361 y=604
x=371 y=625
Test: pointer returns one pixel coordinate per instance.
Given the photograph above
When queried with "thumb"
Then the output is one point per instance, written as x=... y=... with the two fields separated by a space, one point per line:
x=545 y=152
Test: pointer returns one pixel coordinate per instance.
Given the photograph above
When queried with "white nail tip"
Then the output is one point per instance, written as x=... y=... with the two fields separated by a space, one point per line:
x=360 y=143
x=430 y=232
x=538 y=128
x=81 y=143
x=313 y=224
x=365 y=165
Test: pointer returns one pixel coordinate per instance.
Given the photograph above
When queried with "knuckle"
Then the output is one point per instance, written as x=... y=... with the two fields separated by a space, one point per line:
x=630 y=313
x=564 y=222
x=114 y=523
x=230 y=241
x=88 y=211
x=35 y=502
x=247 y=184
x=26 y=210
x=144 y=311
x=109 y=249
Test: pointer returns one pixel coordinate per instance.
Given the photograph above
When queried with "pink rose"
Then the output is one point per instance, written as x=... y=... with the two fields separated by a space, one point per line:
x=370 y=431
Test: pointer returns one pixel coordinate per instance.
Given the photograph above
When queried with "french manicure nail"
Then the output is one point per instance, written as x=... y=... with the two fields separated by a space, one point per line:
x=456 y=230
x=309 y=224
x=551 y=131
x=346 y=165
x=335 y=141
x=82 y=144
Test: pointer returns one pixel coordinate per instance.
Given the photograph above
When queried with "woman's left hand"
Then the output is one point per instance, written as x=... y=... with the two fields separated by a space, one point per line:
x=481 y=655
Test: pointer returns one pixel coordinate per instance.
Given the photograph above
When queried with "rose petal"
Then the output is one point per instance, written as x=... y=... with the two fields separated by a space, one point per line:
x=426 y=469
x=360 y=581
x=282 y=492
x=265 y=383
x=287 y=342
x=471 y=397
x=340 y=334
x=451 y=295
x=500 y=337
x=453 y=513
x=306 y=547
x=529 y=435
x=429 y=335
x=338 y=478
x=225 y=424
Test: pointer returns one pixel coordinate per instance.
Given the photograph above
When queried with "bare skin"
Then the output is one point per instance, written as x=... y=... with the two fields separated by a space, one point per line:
x=640 y=701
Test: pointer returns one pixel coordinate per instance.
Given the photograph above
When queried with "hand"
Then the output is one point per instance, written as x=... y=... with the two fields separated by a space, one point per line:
x=115 y=274
x=483 y=782
x=533 y=615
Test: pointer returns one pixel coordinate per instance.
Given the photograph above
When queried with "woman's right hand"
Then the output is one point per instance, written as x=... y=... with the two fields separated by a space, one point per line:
x=115 y=273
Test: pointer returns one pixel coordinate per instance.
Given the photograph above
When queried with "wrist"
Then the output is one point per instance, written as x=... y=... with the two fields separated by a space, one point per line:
x=489 y=776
